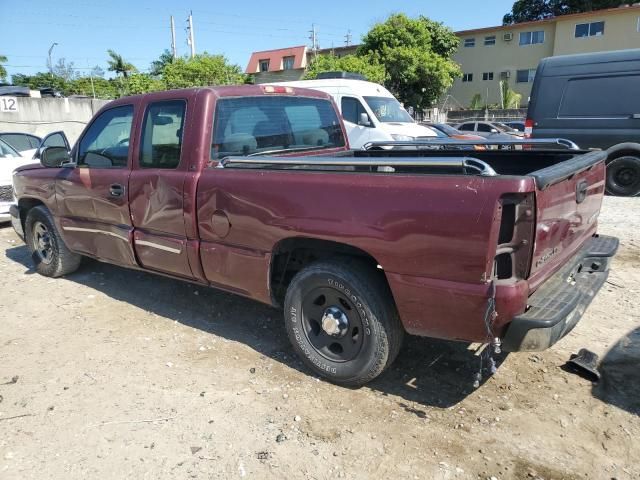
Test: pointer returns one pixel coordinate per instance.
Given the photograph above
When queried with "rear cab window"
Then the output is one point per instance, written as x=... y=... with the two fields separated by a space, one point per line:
x=268 y=124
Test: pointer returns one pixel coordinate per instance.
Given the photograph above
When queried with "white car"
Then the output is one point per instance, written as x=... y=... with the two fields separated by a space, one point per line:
x=370 y=112
x=10 y=159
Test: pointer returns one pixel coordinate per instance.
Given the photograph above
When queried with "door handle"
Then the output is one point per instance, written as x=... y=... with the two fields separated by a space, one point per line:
x=636 y=116
x=116 y=190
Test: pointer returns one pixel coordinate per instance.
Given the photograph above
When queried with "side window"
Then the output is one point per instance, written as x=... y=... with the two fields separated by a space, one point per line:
x=351 y=109
x=467 y=127
x=106 y=143
x=483 y=127
x=162 y=134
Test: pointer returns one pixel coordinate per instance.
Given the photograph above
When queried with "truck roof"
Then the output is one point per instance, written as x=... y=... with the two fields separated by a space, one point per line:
x=228 y=91
x=342 y=85
x=591 y=58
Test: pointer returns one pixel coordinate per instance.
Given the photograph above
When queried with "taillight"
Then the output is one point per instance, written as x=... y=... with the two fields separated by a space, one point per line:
x=528 y=128
x=515 y=237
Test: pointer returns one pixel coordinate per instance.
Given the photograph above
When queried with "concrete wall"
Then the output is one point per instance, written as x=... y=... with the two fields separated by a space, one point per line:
x=42 y=116
x=620 y=33
x=504 y=56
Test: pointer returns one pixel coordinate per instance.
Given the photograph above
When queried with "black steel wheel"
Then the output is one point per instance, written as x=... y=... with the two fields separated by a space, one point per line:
x=342 y=321
x=623 y=177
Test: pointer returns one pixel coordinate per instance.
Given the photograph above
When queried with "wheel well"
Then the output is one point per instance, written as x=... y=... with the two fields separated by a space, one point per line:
x=631 y=150
x=293 y=254
x=26 y=204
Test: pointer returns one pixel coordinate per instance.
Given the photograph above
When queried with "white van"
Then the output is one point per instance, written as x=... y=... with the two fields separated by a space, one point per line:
x=370 y=112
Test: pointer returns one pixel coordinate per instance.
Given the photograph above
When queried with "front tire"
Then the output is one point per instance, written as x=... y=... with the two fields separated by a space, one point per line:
x=623 y=177
x=50 y=255
x=342 y=322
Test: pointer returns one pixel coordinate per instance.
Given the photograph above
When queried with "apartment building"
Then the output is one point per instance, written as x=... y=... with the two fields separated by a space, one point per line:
x=512 y=52
x=288 y=64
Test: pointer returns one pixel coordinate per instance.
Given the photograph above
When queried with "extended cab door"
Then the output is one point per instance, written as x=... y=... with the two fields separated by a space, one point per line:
x=156 y=188
x=92 y=196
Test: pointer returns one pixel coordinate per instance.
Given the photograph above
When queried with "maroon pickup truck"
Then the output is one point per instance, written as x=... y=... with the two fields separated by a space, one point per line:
x=253 y=190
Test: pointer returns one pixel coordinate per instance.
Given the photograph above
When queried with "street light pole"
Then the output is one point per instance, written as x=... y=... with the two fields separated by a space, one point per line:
x=50 y=63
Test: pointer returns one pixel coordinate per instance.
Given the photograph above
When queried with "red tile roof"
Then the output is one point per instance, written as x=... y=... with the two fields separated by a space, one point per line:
x=275 y=58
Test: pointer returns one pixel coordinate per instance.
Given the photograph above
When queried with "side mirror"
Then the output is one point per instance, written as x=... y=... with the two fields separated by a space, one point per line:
x=54 y=157
x=364 y=120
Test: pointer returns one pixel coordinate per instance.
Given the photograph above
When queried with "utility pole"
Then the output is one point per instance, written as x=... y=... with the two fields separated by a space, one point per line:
x=314 y=39
x=191 y=40
x=347 y=38
x=174 y=51
x=50 y=62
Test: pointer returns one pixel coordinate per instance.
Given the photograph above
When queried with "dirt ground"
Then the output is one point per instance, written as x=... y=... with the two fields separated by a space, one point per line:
x=111 y=373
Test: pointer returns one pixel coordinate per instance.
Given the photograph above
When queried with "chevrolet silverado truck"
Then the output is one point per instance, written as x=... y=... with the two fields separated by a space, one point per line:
x=253 y=190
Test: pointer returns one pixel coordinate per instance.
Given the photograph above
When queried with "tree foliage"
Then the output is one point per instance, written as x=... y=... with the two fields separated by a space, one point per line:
x=531 y=10
x=119 y=65
x=367 y=65
x=157 y=66
x=508 y=97
x=202 y=70
x=3 y=71
x=416 y=56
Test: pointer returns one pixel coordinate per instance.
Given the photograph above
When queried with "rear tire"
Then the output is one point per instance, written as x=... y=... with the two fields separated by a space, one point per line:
x=50 y=255
x=623 y=177
x=342 y=322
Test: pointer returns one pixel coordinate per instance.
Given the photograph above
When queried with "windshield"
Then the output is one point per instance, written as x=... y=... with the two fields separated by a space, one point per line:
x=388 y=109
x=274 y=124
x=7 y=151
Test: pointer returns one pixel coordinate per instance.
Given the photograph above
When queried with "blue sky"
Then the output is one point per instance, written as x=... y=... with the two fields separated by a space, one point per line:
x=139 y=29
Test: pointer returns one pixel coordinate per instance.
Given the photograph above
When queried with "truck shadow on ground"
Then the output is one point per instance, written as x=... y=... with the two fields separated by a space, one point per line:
x=430 y=372
x=620 y=371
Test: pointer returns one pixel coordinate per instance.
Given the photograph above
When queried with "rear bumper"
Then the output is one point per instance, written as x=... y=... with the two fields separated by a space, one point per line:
x=557 y=306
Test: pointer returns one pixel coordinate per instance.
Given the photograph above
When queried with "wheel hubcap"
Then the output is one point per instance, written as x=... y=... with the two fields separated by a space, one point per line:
x=332 y=324
x=626 y=177
x=42 y=242
x=335 y=322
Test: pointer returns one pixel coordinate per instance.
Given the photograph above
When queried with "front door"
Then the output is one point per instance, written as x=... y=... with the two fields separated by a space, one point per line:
x=156 y=190
x=92 y=201
x=358 y=134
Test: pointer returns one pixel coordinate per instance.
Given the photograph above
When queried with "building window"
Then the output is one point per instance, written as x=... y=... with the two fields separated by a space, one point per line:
x=264 y=65
x=525 y=76
x=531 y=38
x=469 y=42
x=467 y=77
x=287 y=63
x=487 y=76
x=491 y=40
x=594 y=29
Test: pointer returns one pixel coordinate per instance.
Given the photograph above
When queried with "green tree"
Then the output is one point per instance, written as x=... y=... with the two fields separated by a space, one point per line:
x=531 y=10
x=143 y=83
x=416 y=55
x=367 y=65
x=3 y=71
x=202 y=70
x=508 y=97
x=119 y=65
x=41 y=80
x=476 y=102
x=157 y=66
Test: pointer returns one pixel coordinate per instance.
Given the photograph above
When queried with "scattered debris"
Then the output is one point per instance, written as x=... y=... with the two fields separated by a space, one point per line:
x=263 y=455
x=297 y=418
x=17 y=416
x=585 y=363
x=13 y=380
x=195 y=450
x=281 y=438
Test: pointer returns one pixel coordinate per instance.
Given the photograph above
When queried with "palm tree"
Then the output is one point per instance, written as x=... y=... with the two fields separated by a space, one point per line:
x=3 y=71
x=508 y=97
x=119 y=65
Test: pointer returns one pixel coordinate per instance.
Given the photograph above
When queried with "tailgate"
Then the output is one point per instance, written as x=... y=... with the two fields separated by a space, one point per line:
x=568 y=200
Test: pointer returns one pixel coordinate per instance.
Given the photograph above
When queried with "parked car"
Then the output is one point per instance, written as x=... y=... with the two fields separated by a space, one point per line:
x=452 y=132
x=494 y=130
x=10 y=159
x=25 y=143
x=370 y=112
x=592 y=99
x=518 y=126
x=253 y=189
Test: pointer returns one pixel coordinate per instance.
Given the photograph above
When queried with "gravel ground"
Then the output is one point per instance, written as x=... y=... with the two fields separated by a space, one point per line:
x=111 y=373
